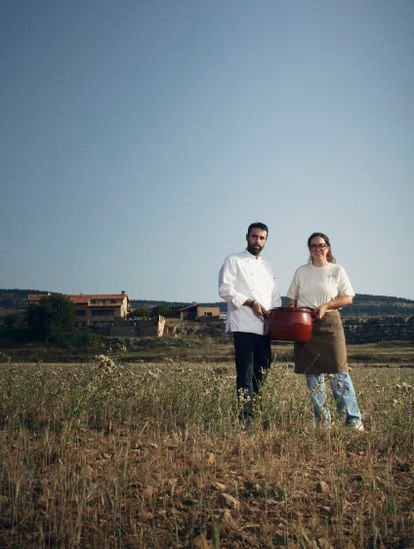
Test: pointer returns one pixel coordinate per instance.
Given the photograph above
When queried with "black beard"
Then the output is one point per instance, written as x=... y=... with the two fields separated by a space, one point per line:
x=253 y=250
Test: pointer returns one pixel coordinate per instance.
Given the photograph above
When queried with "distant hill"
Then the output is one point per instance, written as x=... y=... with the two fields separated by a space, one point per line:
x=364 y=304
x=15 y=300
x=379 y=305
x=151 y=303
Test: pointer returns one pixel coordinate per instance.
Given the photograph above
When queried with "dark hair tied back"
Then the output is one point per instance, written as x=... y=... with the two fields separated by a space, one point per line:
x=329 y=255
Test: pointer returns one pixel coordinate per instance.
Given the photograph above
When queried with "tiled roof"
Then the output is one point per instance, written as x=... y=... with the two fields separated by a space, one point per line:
x=187 y=307
x=35 y=297
x=86 y=298
x=80 y=298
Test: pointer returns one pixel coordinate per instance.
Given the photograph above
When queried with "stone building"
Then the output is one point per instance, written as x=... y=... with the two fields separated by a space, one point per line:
x=198 y=312
x=94 y=310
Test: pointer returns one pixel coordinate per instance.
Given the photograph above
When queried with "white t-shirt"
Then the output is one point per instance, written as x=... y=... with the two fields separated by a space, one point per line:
x=245 y=276
x=313 y=286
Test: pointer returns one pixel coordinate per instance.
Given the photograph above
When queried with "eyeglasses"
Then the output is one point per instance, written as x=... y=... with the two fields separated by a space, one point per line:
x=318 y=246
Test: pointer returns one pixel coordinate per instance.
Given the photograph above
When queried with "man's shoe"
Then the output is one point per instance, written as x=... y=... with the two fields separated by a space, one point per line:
x=266 y=425
x=246 y=426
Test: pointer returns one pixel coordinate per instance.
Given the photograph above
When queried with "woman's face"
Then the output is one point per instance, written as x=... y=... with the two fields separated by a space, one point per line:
x=318 y=249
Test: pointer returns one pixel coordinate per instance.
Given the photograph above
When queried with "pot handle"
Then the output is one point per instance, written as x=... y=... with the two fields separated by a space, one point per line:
x=313 y=314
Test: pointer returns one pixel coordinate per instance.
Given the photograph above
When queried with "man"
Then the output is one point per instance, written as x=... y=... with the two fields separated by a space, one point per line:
x=247 y=283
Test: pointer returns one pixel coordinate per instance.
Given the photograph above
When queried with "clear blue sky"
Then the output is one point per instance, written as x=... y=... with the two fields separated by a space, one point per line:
x=140 y=138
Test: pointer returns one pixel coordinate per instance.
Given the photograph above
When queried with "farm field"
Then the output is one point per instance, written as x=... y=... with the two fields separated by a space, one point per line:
x=195 y=349
x=117 y=453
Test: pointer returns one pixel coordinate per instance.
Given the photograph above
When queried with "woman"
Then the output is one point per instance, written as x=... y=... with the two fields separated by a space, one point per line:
x=324 y=286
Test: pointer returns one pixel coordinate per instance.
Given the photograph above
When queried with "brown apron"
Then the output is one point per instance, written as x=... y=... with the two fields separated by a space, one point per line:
x=326 y=350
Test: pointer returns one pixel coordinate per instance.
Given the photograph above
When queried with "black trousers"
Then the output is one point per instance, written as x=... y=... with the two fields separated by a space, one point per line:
x=253 y=358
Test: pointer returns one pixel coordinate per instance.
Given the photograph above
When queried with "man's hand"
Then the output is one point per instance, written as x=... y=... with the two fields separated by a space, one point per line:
x=256 y=307
x=259 y=310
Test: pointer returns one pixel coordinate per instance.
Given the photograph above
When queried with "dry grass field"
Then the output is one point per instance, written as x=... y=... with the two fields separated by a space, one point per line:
x=123 y=454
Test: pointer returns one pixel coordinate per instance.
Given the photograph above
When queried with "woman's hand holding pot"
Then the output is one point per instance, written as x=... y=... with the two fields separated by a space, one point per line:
x=321 y=311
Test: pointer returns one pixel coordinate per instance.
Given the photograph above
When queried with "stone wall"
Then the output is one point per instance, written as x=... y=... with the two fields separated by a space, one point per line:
x=208 y=328
x=357 y=329
x=373 y=329
x=140 y=327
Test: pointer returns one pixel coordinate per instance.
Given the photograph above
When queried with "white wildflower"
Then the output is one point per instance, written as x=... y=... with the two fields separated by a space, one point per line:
x=105 y=363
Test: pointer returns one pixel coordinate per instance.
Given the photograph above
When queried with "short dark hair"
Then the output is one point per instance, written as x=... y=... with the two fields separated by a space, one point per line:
x=257 y=225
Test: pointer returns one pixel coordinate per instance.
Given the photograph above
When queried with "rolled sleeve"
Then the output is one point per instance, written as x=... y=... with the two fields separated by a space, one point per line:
x=344 y=284
x=292 y=292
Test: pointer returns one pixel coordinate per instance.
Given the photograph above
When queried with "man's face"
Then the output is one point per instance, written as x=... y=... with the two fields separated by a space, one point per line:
x=256 y=240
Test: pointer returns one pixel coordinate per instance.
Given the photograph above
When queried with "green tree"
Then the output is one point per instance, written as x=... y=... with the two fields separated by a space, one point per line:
x=13 y=320
x=164 y=310
x=140 y=312
x=53 y=319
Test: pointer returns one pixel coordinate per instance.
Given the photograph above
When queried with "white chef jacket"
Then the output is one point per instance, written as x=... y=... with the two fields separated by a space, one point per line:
x=245 y=276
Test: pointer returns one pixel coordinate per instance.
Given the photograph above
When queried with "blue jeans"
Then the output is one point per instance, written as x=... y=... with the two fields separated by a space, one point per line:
x=343 y=392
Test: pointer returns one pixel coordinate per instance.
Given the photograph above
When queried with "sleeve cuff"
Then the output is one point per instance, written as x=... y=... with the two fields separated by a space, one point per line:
x=238 y=300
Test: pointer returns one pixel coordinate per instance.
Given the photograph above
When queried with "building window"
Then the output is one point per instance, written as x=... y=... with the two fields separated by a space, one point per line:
x=103 y=312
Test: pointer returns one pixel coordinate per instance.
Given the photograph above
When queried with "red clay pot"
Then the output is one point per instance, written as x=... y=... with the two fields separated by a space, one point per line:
x=290 y=324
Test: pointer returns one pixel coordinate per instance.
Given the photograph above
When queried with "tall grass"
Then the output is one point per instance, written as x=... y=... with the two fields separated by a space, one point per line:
x=151 y=455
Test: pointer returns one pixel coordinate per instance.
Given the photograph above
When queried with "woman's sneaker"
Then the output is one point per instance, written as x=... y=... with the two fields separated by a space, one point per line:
x=356 y=425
